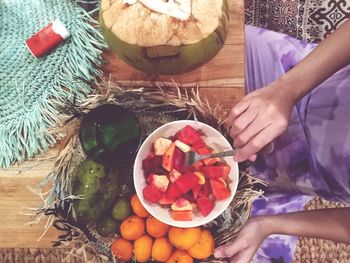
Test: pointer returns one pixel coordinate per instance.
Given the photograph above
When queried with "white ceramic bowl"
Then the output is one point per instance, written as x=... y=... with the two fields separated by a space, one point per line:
x=215 y=140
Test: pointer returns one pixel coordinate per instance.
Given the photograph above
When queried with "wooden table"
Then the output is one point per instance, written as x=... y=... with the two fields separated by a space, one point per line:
x=15 y=196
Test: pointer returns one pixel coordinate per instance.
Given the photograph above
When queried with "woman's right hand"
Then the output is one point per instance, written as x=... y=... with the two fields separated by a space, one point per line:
x=259 y=118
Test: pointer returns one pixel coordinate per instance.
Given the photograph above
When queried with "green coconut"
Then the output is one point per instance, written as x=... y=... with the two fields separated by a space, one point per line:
x=162 y=43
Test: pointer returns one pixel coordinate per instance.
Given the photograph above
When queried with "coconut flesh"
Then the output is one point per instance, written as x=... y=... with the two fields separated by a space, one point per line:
x=165 y=36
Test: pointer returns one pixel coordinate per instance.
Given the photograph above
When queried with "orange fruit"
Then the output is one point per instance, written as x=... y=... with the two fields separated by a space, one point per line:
x=156 y=228
x=143 y=248
x=161 y=249
x=180 y=256
x=204 y=248
x=132 y=228
x=137 y=207
x=184 y=238
x=122 y=249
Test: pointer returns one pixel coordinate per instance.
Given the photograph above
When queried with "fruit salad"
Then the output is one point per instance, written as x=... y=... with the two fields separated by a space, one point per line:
x=186 y=191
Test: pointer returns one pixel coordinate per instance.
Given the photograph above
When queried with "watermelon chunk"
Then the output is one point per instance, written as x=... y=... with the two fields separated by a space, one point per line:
x=152 y=194
x=214 y=172
x=165 y=200
x=188 y=135
x=173 y=192
x=153 y=164
x=205 y=205
x=174 y=175
x=168 y=158
x=199 y=145
x=182 y=215
x=186 y=182
x=219 y=189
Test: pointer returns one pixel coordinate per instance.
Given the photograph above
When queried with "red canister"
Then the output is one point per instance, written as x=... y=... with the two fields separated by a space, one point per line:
x=47 y=38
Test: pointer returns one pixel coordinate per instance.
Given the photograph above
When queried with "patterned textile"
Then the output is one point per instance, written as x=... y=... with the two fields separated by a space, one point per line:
x=31 y=90
x=311 y=20
x=312 y=158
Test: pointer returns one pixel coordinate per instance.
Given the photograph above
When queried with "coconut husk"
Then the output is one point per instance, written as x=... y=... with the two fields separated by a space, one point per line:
x=154 y=106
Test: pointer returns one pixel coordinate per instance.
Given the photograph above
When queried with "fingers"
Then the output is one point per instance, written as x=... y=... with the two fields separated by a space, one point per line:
x=242 y=122
x=257 y=143
x=244 y=256
x=229 y=250
x=232 y=123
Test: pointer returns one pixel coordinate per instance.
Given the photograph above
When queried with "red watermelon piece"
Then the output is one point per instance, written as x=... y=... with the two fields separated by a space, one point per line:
x=205 y=205
x=188 y=135
x=179 y=159
x=186 y=182
x=152 y=194
x=215 y=172
x=219 y=189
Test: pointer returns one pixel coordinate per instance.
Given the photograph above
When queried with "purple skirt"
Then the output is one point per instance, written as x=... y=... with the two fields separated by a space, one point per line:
x=312 y=157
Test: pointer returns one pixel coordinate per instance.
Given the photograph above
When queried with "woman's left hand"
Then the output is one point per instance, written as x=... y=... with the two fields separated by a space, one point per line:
x=249 y=239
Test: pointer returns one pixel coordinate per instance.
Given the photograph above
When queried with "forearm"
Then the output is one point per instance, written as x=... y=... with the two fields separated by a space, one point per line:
x=329 y=57
x=331 y=224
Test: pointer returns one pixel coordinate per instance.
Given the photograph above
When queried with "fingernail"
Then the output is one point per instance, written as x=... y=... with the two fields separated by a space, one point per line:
x=217 y=253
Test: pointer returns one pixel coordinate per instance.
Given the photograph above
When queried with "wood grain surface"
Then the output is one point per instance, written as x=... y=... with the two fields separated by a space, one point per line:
x=221 y=80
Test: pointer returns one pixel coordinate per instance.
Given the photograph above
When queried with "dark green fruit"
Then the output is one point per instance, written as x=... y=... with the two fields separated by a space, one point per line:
x=98 y=186
x=107 y=227
x=109 y=134
x=121 y=209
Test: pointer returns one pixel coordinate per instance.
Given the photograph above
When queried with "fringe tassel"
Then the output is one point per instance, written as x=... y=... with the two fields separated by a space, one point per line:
x=17 y=141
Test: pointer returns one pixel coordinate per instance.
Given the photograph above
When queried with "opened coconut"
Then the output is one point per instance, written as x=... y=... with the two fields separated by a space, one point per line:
x=165 y=36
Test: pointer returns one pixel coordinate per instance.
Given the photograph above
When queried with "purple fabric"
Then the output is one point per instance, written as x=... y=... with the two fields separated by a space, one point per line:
x=312 y=157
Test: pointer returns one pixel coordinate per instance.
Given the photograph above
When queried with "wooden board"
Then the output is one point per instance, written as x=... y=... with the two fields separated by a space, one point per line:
x=222 y=81
x=225 y=71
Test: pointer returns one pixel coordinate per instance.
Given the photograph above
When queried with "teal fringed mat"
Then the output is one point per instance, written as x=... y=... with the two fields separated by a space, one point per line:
x=31 y=90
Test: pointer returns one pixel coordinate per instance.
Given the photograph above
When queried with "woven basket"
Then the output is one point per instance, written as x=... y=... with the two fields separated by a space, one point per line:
x=162 y=105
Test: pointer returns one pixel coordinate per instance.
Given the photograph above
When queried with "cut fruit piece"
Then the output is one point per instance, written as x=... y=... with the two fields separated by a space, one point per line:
x=182 y=146
x=161 y=145
x=205 y=205
x=206 y=189
x=198 y=145
x=174 y=175
x=198 y=165
x=179 y=159
x=181 y=204
x=165 y=200
x=201 y=177
x=153 y=164
x=160 y=181
x=173 y=191
x=182 y=215
x=219 y=189
x=186 y=182
x=152 y=194
x=188 y=135
x=215 y=172
x=168 y=158
x=196 y=191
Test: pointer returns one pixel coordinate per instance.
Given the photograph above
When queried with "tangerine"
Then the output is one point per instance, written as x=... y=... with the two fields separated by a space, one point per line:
x=132 y=228
x=137 y=207
x=156 y=228
x=122 y=249
x=180 y=256
x=161 y=249
x=184 y=238
x=204 y=248
x=143 y=248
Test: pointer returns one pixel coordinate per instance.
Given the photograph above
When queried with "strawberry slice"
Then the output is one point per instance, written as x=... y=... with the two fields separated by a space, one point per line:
x=182 y=215
x=215 y=172
x=152 y=194
x=219 y=188
x=205 y=205
x=179 y=159
x=186 y=182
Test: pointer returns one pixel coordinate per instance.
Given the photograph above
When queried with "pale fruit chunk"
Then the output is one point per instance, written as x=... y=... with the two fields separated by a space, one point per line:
x=182 y=146
x=201 y=177
x=174 y=175
x=160 y=181
x=161 y=145
x=181 y=204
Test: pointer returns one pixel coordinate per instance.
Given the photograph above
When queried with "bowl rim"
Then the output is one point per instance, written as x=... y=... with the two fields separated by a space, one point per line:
x=185 y=224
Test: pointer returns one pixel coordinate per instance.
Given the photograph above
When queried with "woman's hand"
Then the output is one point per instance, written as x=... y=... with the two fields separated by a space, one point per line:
x=247 y=242
x=259 y=118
